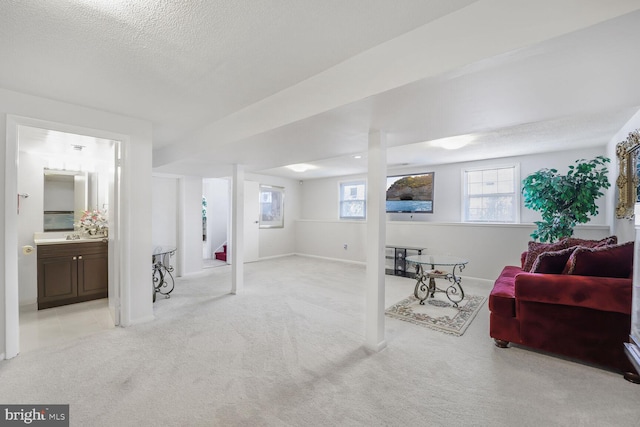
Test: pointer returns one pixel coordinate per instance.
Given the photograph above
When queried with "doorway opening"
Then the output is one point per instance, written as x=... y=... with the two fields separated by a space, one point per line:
x=40 y=148
x=215 y=222
x=216 y=242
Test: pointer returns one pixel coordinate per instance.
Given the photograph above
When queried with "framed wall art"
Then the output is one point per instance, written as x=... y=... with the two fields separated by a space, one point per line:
x=627 y=182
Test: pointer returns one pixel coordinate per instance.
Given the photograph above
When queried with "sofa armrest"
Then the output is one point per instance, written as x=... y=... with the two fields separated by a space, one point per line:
x=598 y=293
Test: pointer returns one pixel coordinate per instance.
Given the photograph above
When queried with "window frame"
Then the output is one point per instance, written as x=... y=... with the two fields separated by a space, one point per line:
x=355 y=182
x=516 y=193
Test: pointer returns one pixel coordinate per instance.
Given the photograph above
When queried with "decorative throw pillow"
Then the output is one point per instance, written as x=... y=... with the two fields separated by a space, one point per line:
x=536 y=248
x=604 y=261
x=572 y=241
x=552 y=262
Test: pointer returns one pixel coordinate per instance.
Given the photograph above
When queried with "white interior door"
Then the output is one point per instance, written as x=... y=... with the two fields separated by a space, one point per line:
x=251 y=223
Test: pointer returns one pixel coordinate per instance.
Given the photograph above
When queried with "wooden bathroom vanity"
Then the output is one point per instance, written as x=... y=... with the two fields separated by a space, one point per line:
x=72 y=272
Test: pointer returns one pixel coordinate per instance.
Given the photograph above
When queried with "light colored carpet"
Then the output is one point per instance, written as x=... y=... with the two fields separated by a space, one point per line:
x=288 y=352
x=438 y=312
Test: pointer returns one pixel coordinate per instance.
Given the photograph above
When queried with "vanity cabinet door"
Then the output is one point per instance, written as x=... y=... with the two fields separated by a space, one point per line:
x=93 y=274
x=57 y=280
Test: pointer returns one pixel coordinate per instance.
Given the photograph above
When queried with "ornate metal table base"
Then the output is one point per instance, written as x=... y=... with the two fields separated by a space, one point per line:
x=162 y=278
x=426 y=284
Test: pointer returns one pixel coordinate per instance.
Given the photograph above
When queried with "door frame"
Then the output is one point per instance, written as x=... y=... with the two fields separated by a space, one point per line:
x=12 y=303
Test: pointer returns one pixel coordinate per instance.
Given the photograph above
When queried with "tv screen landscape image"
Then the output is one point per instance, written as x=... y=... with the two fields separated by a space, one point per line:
x=410 y=193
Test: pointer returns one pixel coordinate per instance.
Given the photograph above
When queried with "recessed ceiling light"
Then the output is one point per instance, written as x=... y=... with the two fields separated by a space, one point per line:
x=357 y=156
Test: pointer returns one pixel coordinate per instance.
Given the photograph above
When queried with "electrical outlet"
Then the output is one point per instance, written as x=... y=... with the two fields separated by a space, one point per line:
x=345 y=246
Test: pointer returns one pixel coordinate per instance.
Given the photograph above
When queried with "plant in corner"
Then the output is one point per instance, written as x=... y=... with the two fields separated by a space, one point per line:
x=565 y=200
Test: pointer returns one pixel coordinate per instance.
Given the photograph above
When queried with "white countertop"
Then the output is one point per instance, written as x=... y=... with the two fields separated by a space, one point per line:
x=61 y=238
x=58 y=241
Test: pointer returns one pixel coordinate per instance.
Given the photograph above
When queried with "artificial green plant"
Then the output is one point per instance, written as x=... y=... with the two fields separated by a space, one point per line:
x=565 y=200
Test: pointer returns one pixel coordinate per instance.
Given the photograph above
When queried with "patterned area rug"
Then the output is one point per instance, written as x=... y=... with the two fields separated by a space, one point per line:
x=438 y=312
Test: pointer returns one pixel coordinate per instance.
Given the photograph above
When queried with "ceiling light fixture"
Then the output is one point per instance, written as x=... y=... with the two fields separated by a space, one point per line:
x=454 y=142
x=357 y=156
x=300 y=167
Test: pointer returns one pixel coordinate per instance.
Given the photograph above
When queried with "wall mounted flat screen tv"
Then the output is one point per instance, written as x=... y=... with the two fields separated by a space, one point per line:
x=410 y=193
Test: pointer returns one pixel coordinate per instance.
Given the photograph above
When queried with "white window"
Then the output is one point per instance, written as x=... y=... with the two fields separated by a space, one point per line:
x=491 y=195
x=353 y=203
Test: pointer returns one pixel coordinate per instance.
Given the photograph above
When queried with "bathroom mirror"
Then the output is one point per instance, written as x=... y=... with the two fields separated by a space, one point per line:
x=627 y=182
x=66 y=195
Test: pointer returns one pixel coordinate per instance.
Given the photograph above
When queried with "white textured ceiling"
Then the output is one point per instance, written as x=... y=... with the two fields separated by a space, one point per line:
x=184 y=64
x=266 y=83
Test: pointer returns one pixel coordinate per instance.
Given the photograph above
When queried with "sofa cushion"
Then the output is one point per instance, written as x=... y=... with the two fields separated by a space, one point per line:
x=572 y=241
x=597 y=293
x=604 y=261
x=552 y=262
x=502 y=298
x=536 y=248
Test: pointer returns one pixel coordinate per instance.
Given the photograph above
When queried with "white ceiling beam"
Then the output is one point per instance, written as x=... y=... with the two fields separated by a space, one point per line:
x=482 y=30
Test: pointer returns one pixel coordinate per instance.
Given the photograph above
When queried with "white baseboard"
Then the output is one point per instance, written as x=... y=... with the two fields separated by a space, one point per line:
x=192 y=273
x=276 y=256
x=346 y=261
x=139 y=321
x=487 y=282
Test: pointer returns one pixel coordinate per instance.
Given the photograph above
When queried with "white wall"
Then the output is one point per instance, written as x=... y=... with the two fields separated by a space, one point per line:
x=489 y=247
x=623 y=228
x=136 y=192
x=164 y=209
x=326 y=239
x=320 y=196
x=177 y=219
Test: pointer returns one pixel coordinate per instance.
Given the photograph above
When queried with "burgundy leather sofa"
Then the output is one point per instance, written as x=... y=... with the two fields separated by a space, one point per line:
x=574 y=303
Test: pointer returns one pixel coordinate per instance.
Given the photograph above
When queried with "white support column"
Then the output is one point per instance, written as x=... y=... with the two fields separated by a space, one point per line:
x=237 y=229
x=376 y=234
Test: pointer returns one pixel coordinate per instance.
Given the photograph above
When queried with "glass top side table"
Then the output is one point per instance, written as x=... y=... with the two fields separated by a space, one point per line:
x=426 y=277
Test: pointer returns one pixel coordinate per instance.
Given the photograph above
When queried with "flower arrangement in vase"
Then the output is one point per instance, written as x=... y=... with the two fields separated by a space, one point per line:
x=93 y=222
